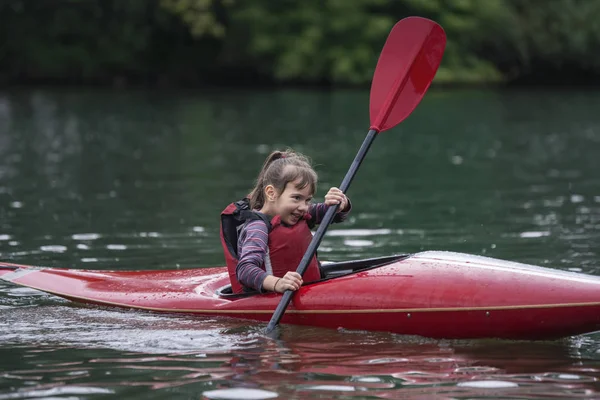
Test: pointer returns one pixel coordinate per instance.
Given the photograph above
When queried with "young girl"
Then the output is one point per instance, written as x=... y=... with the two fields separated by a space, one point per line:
x=265 y=235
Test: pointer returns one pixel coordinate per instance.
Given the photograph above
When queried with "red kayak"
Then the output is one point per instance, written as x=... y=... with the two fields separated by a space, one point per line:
x=433 y=294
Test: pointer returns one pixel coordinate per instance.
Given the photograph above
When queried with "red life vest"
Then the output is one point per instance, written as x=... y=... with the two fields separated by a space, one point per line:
x=287 y=244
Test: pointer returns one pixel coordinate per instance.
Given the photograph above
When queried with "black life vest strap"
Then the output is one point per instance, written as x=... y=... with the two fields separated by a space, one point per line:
x=232 y=223
x=243 y=213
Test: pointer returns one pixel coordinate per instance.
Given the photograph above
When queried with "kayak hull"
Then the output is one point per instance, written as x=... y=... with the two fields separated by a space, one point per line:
x=431 y=294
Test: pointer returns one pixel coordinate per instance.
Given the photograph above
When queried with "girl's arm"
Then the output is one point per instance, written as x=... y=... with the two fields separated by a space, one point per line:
x=252 y=248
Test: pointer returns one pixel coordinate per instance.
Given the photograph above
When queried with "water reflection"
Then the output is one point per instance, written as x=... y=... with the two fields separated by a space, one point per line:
x=83 y=350
x=136 y=180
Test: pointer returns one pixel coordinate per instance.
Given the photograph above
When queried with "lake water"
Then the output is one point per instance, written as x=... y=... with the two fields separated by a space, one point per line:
x=118 y=180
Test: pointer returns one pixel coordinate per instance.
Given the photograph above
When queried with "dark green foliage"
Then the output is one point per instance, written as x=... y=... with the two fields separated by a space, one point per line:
x=104 y=41
x=336 y=42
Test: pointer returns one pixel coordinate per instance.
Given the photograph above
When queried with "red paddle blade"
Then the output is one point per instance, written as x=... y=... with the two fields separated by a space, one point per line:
x=407 y=64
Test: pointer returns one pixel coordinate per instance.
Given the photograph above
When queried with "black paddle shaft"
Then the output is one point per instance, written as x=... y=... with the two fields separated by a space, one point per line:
x=316 y=240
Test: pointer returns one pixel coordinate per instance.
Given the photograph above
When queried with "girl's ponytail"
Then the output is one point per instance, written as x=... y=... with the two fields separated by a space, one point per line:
x=257 y=196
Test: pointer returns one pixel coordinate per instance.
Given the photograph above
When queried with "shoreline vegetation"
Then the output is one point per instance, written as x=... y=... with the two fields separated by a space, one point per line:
x=312 y=44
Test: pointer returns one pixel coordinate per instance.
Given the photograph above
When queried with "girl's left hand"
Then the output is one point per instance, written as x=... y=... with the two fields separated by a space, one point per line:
x=336 y=196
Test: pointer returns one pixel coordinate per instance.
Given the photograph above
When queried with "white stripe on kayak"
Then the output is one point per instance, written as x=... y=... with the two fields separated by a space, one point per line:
x=365 y=311
x=18 y=274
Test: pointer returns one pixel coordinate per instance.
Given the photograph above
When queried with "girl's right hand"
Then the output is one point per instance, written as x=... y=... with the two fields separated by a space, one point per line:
x=290 y=281
x=335 y=196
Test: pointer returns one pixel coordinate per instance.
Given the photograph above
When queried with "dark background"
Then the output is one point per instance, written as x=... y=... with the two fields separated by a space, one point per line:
x=173 y=43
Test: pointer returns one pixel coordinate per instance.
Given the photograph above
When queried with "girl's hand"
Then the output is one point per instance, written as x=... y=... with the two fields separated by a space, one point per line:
x=336 y=196
x=290 y=281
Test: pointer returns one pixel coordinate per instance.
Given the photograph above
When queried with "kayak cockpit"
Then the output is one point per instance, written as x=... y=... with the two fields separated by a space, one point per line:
x=329 y=270
x=335 y=269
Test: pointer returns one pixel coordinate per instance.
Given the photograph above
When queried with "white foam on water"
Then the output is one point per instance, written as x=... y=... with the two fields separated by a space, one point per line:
x=569 y=376
x=59 y=391
x=534 y=234
x=359 y=232
x=86 y=236
x=54 y=248
x=239 y=394
x=333 y=388
x=577 y=198
x=358 y=243
x=387 y=360
x=488 y=384
x=116 y=247
x=369 y=379
x=149 y=234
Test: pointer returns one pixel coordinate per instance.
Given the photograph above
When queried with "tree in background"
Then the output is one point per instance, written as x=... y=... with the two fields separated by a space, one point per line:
x=323 y=42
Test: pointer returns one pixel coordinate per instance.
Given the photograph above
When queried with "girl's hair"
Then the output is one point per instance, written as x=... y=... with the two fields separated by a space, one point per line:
x=280 y=168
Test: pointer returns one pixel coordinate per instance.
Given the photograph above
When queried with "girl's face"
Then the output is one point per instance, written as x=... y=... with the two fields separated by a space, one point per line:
x=292 y=203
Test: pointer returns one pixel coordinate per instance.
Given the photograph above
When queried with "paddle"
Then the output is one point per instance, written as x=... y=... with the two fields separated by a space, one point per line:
x=407 y=64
